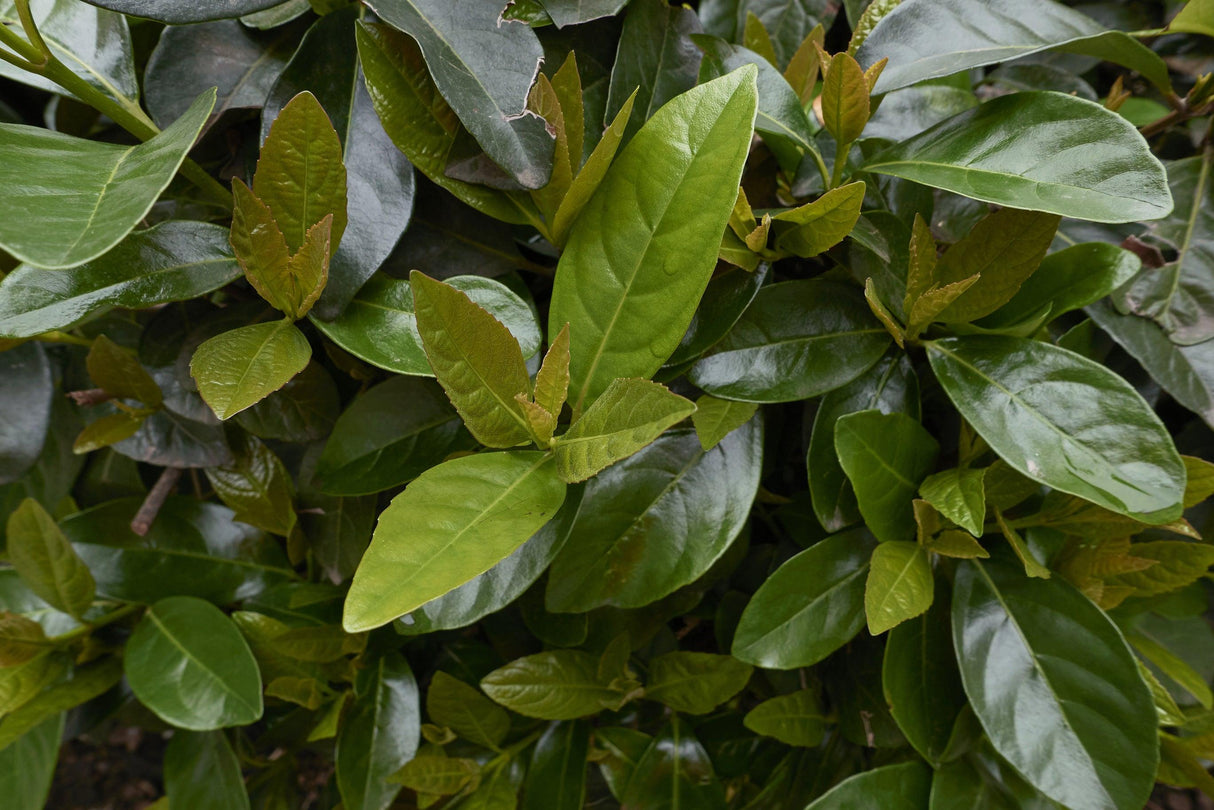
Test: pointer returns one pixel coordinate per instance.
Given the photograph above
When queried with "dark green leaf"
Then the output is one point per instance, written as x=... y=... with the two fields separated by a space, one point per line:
x=378 y=735
x=674 y=772
x=556 y=779
x=201 y=771
x=26 y=389
x=185 y=11
x=257 y=487
x=983 y=779
x=303 y=410
x=28 y=765
x=794 y=719
x=894 y=787
x=452 y=703
x=812 y=605
x=695 y=683
x=1038 y=648
x=85 y=683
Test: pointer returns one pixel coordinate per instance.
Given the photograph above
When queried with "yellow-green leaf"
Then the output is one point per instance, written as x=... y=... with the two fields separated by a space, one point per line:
x=21 y=639
x=714 y=418
x=116 y=370
x=1032 y=567
x=107 y=430
x=845 y=106
x=821 y=224
x=899 y=585
x=552 y=381
x=237 y=369
x=45 y=559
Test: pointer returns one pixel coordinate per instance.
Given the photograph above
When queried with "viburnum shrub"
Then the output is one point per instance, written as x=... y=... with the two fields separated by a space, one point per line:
x=552 y=404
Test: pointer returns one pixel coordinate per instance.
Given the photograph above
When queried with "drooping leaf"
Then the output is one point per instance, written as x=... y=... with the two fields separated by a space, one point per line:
x=257 y=487
x=695 y=683
x=63 y=198
x=1040 y=152
x=214 y=683
x=808 y=608
x=1064 y=421
x=1091 y=709
x=44 y=558
x=120 y=374
x=899 y=585
x=896 y=787
x=798 y=339
x=379 y=735
x=173 y=261
x=178 y=12
x=503 y=498
x=201 y=770
x=686 y=159
x=793 y=719
x=235 y=370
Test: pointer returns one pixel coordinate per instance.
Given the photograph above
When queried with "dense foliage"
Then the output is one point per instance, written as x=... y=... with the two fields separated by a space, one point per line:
x=765 y=405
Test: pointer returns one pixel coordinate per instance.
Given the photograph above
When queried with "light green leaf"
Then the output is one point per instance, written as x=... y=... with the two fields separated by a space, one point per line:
x=46 y=561
x=476 y=359
x=959 y=495
x=899 y=585
x=214 y=680
x=300 y=175
x=641 y=252
x=1197 y=17
x=714 y=419
x=108 y=430
x=69 y=200
x=237 y=369
x=201 y=772
x=27 y=767
x=844 y=99
x=121 y=375
x=795 y=719
x=256 y=487
x=1038 y=648
x=820 y=225
x=438 y=774
x=1038 y=151
x=695 y=683
x=587 y=181
x=453 y=522
x=553 y=685
x=452 y=703
x=1178 y=563
x=626 y=417
x=811 y=606
x=885 y=456
x=1065 y=421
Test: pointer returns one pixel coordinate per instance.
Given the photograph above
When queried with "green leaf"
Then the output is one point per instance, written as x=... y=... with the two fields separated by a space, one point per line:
x=889 y=386
x=635 y=266
x=714 y=419
x=380 y=327
x=1039 y=648
x=885 y=456
x=574 y=12
x=300 y=175
x=429 y=542
x=1004 y=249
x=452 y=703
x=177 y=12
x=553 y=685
x=21 y=639
x=476 y=360
x=920 y=680
x=794 y=719
x=695 y=683
x=844 y=98
x=959 y=495
x=437 y=775
x=899 y=585
x=556 y=778
x=1195 y=18
x=1041 y=152
x=256 y=487
x=925 y=39
x=797 y=340
x=1064 y=421
x=201 y=771
x=820 y=225
x=1178 y=563
x=894 y=787
x=625 y=418
x=379 y=734
x=377 y=445
x=71 y=200
x=587 y=181
x=811 y=606
x=1067 y=280
x=118 y=372
x=674 y=772
x=235 y=370
x=215 y=682
x=484 y=68
x=85 y=683
x=656 y=521
x=44 y=558
x=27 y=767
x=174 y=261
x=982 y=779
x=193 y=548
x=1173 y=666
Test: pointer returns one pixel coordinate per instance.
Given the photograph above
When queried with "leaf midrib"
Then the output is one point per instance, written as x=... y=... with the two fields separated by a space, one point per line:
x=164 y=630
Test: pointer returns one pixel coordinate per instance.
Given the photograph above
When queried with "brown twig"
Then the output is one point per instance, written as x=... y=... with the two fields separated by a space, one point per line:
x=142 y=522
x=89 y=397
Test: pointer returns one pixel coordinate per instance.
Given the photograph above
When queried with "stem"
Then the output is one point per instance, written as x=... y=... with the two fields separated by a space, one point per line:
x=821 y=164
x=55 y=336
x=840 y=164
x=89 y=397
x=16 y=61
x=24 y=49
x=141 y=524
x=31 y=31
x=88 y=627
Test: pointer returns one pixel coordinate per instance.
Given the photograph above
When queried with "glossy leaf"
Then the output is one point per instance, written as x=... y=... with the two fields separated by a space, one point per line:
x=44 y=558
x=625 y=418
x=695 y=683
x=899 y=585
x=714 y=419
x=885 y=456
x=556 y=779
x=476 y=360
x=26 y=388
x=236 y=370
x=656 y=521
x=554 y=685
x=185 y=11
x=214 y=680
x=673 y=772
x=380 y=327
x=1098 y=440
x=982 y=778
x=257 y=487
x=687 y=158
x=427 y=544
x=174 y=261
x=812 y=605
x=959 y=495
x=793 y=719
x=1092 y=164
x=896 y=787
x=28 y=765
x=1083 y=691
x=797 y=340
x=379 y=735
x=844 y=99
x=201 y=770
x=452 y=703
x=484 y=68
x=820 y=225
x=926 y=40
x=74 y=212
